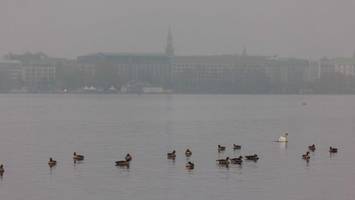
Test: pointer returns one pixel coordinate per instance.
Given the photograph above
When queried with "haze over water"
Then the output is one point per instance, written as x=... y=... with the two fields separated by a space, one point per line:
x=106 y=127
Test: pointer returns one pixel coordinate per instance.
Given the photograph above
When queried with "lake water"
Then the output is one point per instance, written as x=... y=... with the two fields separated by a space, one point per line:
x=105 y=127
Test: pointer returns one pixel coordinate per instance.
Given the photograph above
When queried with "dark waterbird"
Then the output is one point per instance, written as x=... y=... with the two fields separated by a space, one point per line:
x=190 y=165
x=125 y=162
x=237 y=160
x=221 y=148
x=306 y=156
x=128 y=157
x=252 y=157
x=236 y=147
x=122 y=163
x=171 y=155
x=223 y=161
x=2 y=170
x=312 y=147
x=77 y=157
x=52 y=162
x=333 y=150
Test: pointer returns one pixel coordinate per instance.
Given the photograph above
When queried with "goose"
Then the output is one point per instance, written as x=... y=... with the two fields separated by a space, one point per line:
x=223 y=161
x=188 y=153
x=52 y=162
x=171 y=155
x=122 y=163
x=221 y=148
x=312 y=147
x=2 y=170
x=252 y=157
x=333 y=150
x=238 y=160
x=125 y=162
x=128 y=157
x=283 y=138
x=236 y=147
x=306 y=156
x=190 y=165
x=77 y=157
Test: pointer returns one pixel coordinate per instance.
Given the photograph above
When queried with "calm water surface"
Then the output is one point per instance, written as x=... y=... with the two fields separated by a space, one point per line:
x=105 y=127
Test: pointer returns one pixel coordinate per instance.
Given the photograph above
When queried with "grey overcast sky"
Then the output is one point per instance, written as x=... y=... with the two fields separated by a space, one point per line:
x=68 y=28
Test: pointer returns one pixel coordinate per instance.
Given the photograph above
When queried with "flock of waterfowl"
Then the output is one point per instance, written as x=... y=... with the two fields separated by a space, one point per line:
x=312 y=148
x=238 y=160
x=190 y=165
x=221 y=162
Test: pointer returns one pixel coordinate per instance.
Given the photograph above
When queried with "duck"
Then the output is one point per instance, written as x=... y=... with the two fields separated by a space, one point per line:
x=237 y=160
x=77 y=157
x=306 y=156
x=236 y=147
x=52 y=162
x=221 y=148
x=283 y=138
x=252 y=157
x=312 y=147
x=223 y=161
x=2 y=170
x=190 y=165
x=171 y=155
x=188 y=153
x=128 y=157
x=333 y=150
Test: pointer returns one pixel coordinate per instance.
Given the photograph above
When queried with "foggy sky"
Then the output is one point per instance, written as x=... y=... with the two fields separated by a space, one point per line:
x=68 y=28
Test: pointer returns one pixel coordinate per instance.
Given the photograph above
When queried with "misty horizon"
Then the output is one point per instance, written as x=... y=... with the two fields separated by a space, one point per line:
x=307 y=29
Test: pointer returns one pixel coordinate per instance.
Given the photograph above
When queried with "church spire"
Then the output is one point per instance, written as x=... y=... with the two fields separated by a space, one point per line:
x=169 y=50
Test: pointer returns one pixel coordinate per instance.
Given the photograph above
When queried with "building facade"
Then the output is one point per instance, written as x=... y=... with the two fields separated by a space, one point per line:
x=201 y=73
x=39 y=75
x=238 y=74
x=341 y=66
x=150 y=69
x=10 y=75
x=345 y=66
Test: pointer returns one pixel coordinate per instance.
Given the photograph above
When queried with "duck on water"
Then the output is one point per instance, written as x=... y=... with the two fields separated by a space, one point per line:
x=188 y=153
x=237 y=160
x=190 y=165
x=312 y=147
x=52 y=162
x=171 y=155
x=2 y=170
x=252 y=157
x=306 y=156
x=125 y=162
x=223 y=162
x=236 y=147
x=333 y=150
x=221 y=148
x=77 y=157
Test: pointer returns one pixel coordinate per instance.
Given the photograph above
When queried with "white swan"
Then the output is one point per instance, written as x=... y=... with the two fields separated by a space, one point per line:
x=283 y=138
